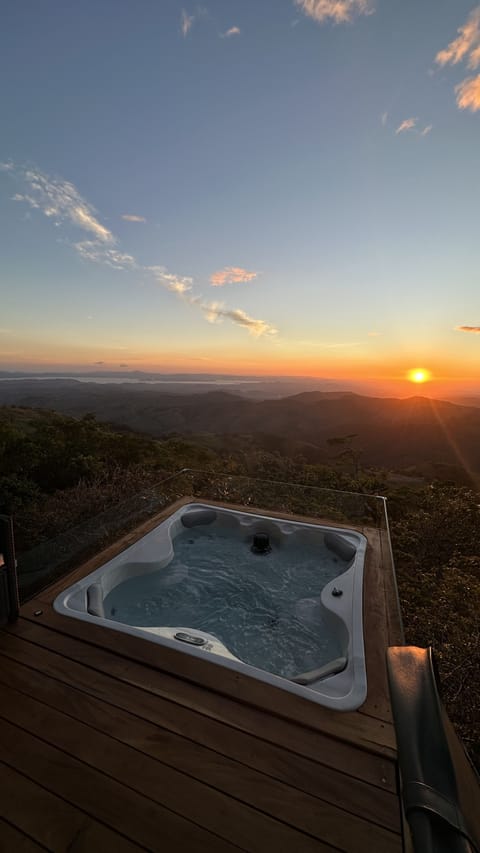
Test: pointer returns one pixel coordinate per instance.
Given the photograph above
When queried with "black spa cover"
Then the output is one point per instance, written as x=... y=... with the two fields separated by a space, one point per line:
x=440 y=788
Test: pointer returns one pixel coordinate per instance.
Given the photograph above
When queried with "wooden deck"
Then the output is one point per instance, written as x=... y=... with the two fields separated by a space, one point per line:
x=111 y=743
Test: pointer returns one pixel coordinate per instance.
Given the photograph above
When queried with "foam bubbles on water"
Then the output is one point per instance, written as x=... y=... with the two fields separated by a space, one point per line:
x=264 y=608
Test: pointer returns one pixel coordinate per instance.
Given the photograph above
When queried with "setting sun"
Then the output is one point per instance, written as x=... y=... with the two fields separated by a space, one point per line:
x=418 y=375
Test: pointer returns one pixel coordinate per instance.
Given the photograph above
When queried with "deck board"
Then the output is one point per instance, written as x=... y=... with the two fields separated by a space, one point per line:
x=29 y=807
x=114 y=743
x=164 y=729
x=100 y=796
x=372 y=764
x=376 y=639
x=12 y=839
x=206 y=806
x=371 y=733
x=282 y=800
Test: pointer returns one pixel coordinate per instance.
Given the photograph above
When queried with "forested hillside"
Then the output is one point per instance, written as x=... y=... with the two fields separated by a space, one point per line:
x=57 y=471
x=415 y=433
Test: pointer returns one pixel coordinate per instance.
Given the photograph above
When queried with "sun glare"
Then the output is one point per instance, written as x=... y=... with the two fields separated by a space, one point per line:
x=418 y=375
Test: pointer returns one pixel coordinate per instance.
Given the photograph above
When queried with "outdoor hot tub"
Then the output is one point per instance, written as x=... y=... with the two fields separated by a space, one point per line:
x=280 y=600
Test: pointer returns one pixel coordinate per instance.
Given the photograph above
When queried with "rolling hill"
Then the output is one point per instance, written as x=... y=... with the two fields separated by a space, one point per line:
x=389 y=432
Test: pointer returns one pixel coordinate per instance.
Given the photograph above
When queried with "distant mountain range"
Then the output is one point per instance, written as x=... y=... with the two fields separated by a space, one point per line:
x=257 y=387
x=393 y=433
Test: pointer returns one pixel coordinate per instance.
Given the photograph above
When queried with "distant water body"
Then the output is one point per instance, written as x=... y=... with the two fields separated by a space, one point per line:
x=115 y=380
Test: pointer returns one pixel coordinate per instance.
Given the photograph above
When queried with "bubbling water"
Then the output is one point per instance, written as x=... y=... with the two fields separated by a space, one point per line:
x=264 y=607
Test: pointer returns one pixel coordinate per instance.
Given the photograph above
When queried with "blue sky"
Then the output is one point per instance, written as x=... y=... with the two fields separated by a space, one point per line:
x=304 y=177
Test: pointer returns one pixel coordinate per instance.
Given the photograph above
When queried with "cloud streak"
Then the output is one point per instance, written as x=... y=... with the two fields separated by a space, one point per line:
x=131 y=217
x=90 y=250
x=231 y=275
x=61 y=201
x=186 y=23
x=468 y=94
x=473 y=330
x=215 y=312
x=466 y=46
x=175 y=283
x=406 y=124
x=233 y=31
x=339 y=11
x=411 y=125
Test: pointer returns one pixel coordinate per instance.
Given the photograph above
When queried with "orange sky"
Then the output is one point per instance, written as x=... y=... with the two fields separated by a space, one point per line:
x=378 y=370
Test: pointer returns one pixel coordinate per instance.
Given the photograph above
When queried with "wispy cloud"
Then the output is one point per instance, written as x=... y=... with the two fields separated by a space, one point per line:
x=339 y=11
x=186 y=23
x=375 y=334
x=406 y=124
x=175 y=283
x=59 y=200
x=411 y=125
x=466 y=46
x=231 y=275
x=233 y=31
x=62 y=202
x=28 y=198
x=91 y=250
x=468 y=94
x=131 y=217
x=474 y=58
x=474 y=330
x=215 y=312
x=384 y=119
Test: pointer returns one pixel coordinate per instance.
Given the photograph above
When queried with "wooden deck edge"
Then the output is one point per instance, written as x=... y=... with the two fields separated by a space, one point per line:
x=363 y=731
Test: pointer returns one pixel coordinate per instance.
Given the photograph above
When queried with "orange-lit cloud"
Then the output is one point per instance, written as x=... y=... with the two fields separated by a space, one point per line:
x=474 y=58
x=233 y=31
x=475 y=330
x=340 y=11
x=131 y=217
x=231 y=275
x=411 y=124
x=468 y=94
x=215 y=312
x=62 y=201
x=407 y=124
x=186 y=23
x=466 y=45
